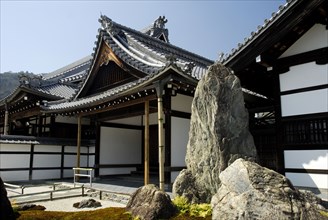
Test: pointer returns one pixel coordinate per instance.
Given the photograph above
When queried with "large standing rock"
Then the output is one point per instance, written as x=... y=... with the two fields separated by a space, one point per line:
x=149 y=203
x=218 y=134
x=6 y=211
x=249 y=191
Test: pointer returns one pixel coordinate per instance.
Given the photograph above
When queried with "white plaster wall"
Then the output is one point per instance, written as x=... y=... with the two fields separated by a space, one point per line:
x=314 y=38
x=14 y=175
x=308 y=180
x=120 y=146
x=139 y=120
x=15 y=160
x=41 y=160
x=45 y=174
x=179 y=140
x=304 y=75
x=71 y=120
x=47 y=148
x=174 y=175
x=116 y=171
x=305 y=103
x=307 y=159
x=182 y=103
x=91 y=161
x=15 y=147
x=128 y=121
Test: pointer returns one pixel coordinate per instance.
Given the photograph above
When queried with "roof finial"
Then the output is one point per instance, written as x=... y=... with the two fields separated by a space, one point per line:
x=160 y=22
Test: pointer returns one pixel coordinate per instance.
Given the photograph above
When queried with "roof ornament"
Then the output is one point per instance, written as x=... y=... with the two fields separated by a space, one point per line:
x=171 y=60
x=189 y=67
x=108 y=25
x=30 y=81
x=221 y=57
x=160 y=22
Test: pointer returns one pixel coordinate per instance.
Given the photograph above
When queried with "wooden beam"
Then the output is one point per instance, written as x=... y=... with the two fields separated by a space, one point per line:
x=146 y=172
x=121 y=105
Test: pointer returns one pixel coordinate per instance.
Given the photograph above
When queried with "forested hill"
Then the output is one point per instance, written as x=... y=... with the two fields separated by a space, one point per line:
x=9 y=81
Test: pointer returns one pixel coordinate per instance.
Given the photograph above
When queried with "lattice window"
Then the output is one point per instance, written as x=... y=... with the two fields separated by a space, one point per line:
x=308 y=131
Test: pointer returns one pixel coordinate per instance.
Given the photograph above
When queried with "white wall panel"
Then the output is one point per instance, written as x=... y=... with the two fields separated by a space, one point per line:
x=314 y=38
x=45 y=174
x=115 y=171
x=46 y=160
x=15 y=147
x=69 y=160
x=128 y=121
x=182 y=103
x=47 y=148
x=308 y=180
x=68 y=173
x=14 y=160
x=305 y=103
x=71 y=120
x=306 y=159
x=71 y=149
x=174 y=175
x=304 y=75
x=91 y=161
x=120 y=146
x=14 y=175
x=179 y=140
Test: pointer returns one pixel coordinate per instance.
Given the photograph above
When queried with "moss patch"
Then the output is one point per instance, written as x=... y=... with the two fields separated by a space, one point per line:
x=112 y=213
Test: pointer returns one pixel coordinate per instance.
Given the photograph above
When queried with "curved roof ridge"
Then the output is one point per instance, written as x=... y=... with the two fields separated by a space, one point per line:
x=181 y=51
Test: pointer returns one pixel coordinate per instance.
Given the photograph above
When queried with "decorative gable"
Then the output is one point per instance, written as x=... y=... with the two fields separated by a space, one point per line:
x=109 y=76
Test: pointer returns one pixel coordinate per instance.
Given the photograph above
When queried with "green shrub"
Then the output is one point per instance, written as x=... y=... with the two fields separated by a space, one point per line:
x=324 y=213
x=197 y=210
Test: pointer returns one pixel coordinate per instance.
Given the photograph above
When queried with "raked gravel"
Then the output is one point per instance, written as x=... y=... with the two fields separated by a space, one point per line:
x=66 y=205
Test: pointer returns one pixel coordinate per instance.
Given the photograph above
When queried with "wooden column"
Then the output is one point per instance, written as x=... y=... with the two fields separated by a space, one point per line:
x=78 y=153
x=161 y=147
x=6 y=124
x=97 y=149
x=146 y=168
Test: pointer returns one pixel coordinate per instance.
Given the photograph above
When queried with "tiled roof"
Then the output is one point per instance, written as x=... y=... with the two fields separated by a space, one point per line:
x=104 y=96
x=225 y=58
x=71 y=69
x=59 y=90
x=142 y=52
x=145 y=53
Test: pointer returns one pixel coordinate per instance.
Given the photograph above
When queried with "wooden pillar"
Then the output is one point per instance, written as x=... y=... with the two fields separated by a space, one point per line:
x=6 y=124
x=161 y=147
x=97 y=149
x=146 y=165
x=30 y=170
x=78 y=153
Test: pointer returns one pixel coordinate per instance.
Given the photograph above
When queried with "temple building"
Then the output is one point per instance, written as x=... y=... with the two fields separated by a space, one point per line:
x=126 y=108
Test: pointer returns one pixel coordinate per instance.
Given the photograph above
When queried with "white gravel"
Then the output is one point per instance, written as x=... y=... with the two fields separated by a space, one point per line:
x=66 y=205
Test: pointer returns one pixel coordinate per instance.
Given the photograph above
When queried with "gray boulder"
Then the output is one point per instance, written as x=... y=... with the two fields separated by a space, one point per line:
x=250 y=191
x=149 y=203
x=218 y=134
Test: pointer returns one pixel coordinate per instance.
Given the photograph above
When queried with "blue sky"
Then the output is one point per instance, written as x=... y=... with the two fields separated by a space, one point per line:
x=42 y=36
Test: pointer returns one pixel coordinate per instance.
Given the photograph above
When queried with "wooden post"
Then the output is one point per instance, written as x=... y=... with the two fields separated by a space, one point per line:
x=78 y=156
x=6 y=124
x=146 y=168
x=161 y=147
